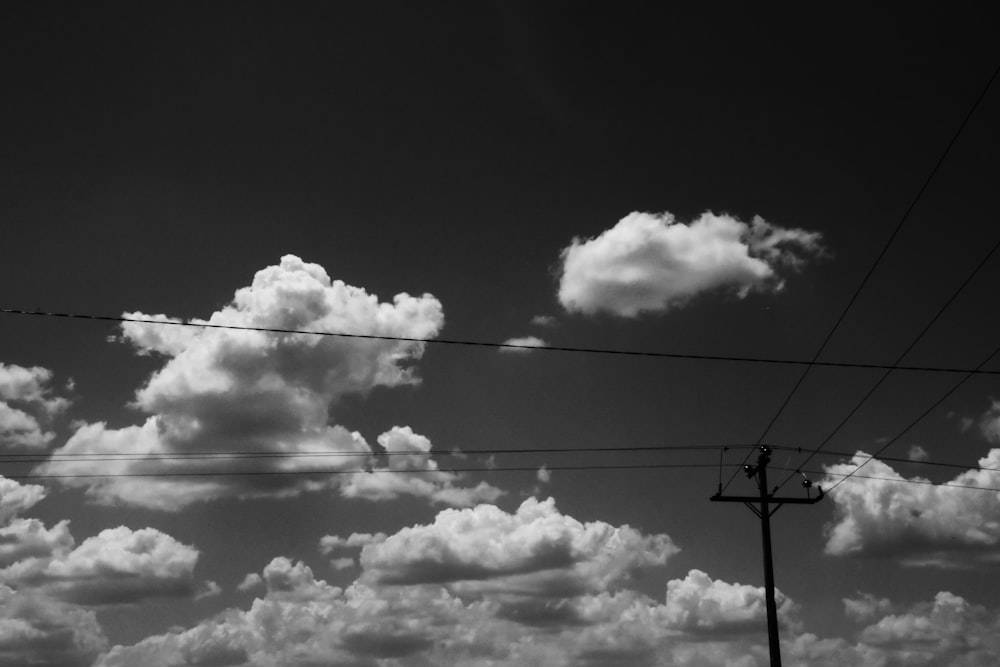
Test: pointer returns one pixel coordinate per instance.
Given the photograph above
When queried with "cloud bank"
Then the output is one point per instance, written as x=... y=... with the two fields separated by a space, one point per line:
x=407 y=607
x=482 y=587
x=652 y=262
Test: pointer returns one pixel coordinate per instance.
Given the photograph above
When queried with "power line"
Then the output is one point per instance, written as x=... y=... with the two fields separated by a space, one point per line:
x=889 y=459
x=878 y=260
x=654 y=466
x=239 y=473
x=511 y=346
x=916 y=421
x=219 y=455
x=924 y=482
x=902 y=355
x=251 y=455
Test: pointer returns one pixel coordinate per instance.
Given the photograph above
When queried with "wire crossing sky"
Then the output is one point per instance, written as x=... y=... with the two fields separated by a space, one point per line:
x=511 y=346
x=402 y=335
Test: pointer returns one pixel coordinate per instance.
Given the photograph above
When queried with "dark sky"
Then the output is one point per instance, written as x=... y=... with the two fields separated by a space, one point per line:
x=156 y=155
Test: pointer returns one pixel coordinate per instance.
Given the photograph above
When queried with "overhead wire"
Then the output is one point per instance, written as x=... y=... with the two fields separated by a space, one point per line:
x=878 y=259
x=10 y=458
x=509 y=346
x=655 y=466
x=902 y=355
x=237 y=473
x=916 y=421
x=245 y=454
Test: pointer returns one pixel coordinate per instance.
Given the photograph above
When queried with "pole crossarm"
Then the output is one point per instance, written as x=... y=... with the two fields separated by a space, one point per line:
x=770 y=499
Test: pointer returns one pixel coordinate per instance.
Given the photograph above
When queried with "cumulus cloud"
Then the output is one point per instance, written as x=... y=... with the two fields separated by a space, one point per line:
x=537 y=550
x=420 y=620
x=418 y=617
x=923 y=523
x=36 y=630
x=117 y=566
x=411 y=471
x=27 y=405
x=700 y=604
x=50 y=586
x=652 y=262
x=947 y=631
x=261 y=392
x=523 y=344
x=16 y=497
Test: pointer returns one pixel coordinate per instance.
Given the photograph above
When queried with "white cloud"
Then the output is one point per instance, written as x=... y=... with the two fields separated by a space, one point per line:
x=866 y=606
x=342 y=563
x=948 y=631
x=28 y=543
x=917 y=453
x=922 y=523
x=651 y=262
x=16 y=497
x=422 y=620
x=700 y=604
x=331 y=543
x=524 y=344
x=426 y=625
x=208 y=589
x=116 y=566
x=302 y=620
x=250 y=582
x=543 y=320
x=989 y=423
x=49 y=585
x=410 y=470
x=251 y=391
x=27 y=404
x=535 y=551
x=35 y=630
x=544 y=475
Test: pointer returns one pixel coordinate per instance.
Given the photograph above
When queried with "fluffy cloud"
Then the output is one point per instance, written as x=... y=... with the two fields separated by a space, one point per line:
x=16 y=497
x=417 y=617
x=947 y=631
x=524 y=344
x=49 y=585
x=537 y=550
x=651 y=263
x=700 y=604
x=923 y=524
x=265 y=393
x=415 y=620
x=410 y=470
x=27 y=403
x=117 y=566
x=35 y=630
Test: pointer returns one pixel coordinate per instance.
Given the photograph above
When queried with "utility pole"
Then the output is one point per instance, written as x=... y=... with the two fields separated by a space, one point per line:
x=768 y=506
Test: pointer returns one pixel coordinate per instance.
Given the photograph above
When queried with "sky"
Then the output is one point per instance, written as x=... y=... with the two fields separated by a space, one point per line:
x=677 y=179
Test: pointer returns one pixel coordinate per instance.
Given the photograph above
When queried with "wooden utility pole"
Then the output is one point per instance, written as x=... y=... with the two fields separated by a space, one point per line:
x=768 y=506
